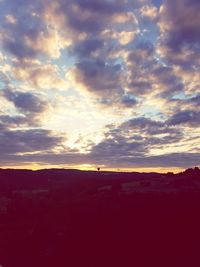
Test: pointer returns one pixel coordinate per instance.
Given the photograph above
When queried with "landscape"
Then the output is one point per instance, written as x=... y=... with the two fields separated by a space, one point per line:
x=99 y=133
x=57 y=217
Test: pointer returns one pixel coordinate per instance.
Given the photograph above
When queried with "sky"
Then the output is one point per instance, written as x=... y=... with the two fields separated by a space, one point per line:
x=100 y=83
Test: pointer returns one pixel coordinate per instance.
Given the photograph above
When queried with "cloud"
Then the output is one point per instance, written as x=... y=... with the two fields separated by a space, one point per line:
x=46 y=27
x=146 y=76
x=25 y=34
x=129 y=100
x=38 y=75
x=13 y=121
x=149 y=12
x=16 y=37
x=142 y=123
x=23 y=141
x=190 y=117
x=139 y=62
x=23 y=108
x=26 y=102
x=89 y=16
x=183 y=23
x=195 y=100
x=10 y=19
x=167 y=81
x=127 y=145
x=98 y=77
x=180 y=30
x=88 y=47
x=135 y=138
x=177 y=160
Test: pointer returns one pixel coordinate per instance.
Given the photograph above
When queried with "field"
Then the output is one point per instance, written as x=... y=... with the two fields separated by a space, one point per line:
x=80 y=218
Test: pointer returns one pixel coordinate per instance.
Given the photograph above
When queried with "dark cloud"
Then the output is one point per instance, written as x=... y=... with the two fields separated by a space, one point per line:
x=102 y=6
x=133 y=140
x=140 y=61
x=118 y=147
x=10 y=121
x=81 y=22
x=90 y=16
x=169 y=82
x=151 y=129
x=190 y=117
x=195 y=100
x=140 y=87
x=186 y=103
x=147 y=75
x=32 y=140
x=182 y=160
x=129 y=100
x=126 y=146
x=26 y=102
x=87 y=47
x=18 y=49
x=27 y=28
x=99 y=77
x=180 y=27
x=142 y=54
x=142 y=123
x=183 y=17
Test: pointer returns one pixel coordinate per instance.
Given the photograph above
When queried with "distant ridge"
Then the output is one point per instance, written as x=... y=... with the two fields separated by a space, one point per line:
x=189 y=171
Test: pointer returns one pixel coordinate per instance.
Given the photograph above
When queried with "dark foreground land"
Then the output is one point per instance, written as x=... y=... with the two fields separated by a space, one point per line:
x=67 y=218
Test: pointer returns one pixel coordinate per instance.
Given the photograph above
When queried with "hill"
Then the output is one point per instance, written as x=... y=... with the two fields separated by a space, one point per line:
x=74 y=218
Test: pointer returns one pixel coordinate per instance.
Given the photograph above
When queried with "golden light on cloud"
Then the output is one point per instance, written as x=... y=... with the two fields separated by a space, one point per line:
x=150 y=12
x=10 y=19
